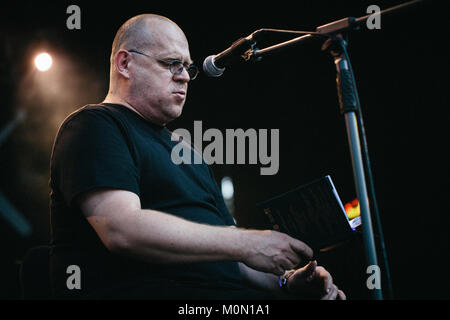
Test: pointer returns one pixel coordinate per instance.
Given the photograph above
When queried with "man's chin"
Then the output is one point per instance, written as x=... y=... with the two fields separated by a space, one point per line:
x=174 y=112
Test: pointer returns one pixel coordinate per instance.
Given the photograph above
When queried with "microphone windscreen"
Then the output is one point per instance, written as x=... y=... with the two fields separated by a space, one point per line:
x=210 y=68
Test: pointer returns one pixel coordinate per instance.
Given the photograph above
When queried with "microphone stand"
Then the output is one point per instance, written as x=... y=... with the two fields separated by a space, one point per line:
x=334 y=33
x=347 y=93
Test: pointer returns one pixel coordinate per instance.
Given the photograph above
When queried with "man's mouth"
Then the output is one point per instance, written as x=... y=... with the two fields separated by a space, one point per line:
x=181 y=94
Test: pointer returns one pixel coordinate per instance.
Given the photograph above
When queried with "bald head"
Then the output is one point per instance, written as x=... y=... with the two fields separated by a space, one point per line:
x=141 y=77
x=142 y=32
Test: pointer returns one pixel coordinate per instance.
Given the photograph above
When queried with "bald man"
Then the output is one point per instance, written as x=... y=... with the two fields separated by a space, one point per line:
x=135 y=224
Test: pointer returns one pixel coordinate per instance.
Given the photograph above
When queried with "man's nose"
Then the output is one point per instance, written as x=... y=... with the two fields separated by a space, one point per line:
x=183 y=76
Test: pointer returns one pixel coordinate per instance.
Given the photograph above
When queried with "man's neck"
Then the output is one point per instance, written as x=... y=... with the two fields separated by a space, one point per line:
x=110 y=98
x=114 y=99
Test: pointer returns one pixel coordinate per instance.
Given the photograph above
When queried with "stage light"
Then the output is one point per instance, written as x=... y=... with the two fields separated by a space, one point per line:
x=43 y=61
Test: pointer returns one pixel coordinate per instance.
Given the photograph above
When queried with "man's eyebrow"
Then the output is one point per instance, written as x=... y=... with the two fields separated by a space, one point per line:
x=176 y=57
x=188 y=62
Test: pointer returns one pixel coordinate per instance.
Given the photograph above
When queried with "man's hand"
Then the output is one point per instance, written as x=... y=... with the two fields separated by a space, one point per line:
x=273 y=252
x=313 y=281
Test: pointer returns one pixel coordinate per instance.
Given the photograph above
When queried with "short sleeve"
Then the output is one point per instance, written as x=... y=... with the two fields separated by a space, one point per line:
x=92 y=151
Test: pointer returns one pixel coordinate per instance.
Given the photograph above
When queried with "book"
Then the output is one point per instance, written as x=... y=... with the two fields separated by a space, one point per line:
x=312 y=213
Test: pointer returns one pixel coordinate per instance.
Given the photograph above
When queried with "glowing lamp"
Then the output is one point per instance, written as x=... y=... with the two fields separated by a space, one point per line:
x=43 y=61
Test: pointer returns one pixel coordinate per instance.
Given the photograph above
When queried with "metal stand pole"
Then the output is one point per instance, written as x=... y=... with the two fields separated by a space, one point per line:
x=348 y=104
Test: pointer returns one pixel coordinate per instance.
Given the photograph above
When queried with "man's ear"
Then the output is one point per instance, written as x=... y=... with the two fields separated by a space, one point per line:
x=122 y=62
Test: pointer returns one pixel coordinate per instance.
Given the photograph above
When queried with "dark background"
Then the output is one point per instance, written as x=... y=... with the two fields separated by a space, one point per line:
x=401 y=72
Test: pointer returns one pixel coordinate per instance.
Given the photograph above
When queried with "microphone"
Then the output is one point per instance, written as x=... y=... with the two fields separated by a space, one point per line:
x=214 y=65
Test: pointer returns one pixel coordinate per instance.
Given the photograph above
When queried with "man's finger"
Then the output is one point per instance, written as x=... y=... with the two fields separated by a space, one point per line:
x=332 y=294
x=294 y=258
x=309 y=270
x=302 y=276
x=328 y=280
x=287 y=264
x=341 y=295
x=301 y=248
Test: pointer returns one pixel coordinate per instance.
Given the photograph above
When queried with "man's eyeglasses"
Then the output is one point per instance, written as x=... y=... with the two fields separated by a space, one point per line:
x=175 y=66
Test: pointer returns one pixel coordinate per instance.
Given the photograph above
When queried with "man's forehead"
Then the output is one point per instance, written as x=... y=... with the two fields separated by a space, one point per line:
x=164 y=30
x=174 y=49
x=167 y=40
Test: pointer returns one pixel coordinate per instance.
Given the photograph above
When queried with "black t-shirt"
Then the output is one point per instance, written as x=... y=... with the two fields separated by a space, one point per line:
x=110 y=146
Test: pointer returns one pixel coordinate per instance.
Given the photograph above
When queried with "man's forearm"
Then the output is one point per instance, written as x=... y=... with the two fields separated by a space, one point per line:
x=260 y=280
x=163 y=238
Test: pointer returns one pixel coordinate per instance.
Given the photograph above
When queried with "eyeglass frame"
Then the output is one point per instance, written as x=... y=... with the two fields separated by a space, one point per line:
x=171 y=65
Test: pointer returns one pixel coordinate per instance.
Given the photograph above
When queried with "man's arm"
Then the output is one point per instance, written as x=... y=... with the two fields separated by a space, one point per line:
x=158 y=237
x=261 y=280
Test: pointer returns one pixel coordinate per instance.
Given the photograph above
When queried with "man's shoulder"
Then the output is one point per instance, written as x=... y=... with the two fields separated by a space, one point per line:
x=96 y=113
x=90 y=119
x=89 y=110
x=91 y=124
